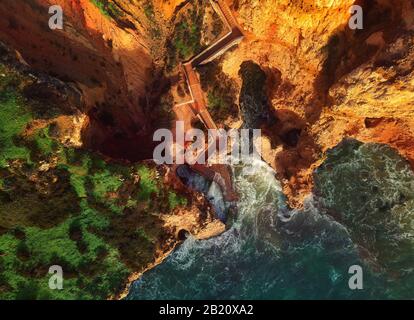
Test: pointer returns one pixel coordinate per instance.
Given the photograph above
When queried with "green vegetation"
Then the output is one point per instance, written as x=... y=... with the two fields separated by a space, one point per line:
x=218 y=26
x=149 y=10
x=69 y=207
x=108 y=8
x=187 y=43
x=150 y=15
x=187 y=35
x=148 y=184
x=103 y=183
x=43 y=248
x=221 y=92
x=141 y=233
x=219 y=104
x=14 y=117
x=42 y=142
x=175 y=200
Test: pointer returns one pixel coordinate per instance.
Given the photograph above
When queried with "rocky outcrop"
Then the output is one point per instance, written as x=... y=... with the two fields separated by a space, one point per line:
x=100 y=219
x=326 y=81
x=105 y=51
x=374 y=102
x=103 y=83
x=254 y=104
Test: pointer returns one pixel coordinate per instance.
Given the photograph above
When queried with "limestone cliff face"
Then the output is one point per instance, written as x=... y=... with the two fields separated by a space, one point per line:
x=326 y=81
x=375 y=101
x=105 y=51
x=167 y=8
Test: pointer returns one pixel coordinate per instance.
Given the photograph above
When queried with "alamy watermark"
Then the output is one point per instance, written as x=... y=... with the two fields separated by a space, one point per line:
x=56 y=20
x=194 y=147
x=356 y=281
x=56 y=280
x=357 y=18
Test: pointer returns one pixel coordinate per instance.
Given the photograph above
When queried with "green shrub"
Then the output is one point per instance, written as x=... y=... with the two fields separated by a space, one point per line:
x=187 y=36
x=13 y=119
x=105 y=182
x=143 y=234
x=148 y=185
x=108 y=8
x=174 y=200
x=27 y=290
x=43 y=142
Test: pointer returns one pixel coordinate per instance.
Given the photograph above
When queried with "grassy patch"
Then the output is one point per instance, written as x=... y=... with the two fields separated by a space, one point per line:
x=148 y=186
x=219 y=105
x=87 y=275
x=143 y=234
x=92 y=217
x=149 y=12
x=175 y=200
x=78 y=168
x=14 y=117
x=105 y=182
x=46 y=218
x=187 y=40
x=43 y=142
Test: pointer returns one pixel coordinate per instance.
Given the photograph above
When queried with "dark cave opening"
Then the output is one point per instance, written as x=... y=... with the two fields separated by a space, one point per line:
x=291 y=137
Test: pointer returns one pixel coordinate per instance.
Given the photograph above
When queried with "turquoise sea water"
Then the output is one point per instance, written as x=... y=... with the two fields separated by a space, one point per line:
x=361 y=212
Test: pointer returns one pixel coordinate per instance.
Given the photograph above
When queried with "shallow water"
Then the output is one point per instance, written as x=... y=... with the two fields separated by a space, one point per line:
x=271 y=252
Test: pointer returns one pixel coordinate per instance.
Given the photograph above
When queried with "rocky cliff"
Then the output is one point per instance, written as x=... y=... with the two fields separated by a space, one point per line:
x=326 y=81
x=79 y=107
x=76 y=112
x=105 y=49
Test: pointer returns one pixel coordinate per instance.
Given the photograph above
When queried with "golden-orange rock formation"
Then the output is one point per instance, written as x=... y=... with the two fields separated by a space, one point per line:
x=326 y=81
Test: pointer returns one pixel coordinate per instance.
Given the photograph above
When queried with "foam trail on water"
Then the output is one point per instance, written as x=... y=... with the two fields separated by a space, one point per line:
x=272 y=252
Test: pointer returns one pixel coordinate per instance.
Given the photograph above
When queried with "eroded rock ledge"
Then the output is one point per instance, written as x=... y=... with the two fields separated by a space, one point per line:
x=322 y=83
x=327 y=82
